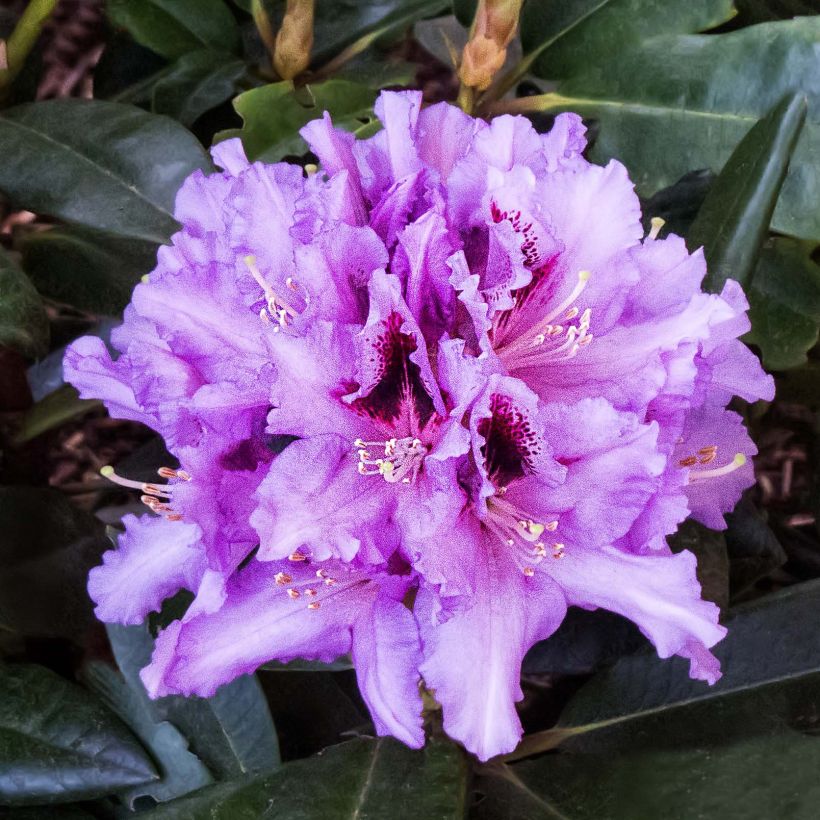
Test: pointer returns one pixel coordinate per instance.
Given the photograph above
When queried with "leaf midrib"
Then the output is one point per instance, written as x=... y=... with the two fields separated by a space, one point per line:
x=101 y=168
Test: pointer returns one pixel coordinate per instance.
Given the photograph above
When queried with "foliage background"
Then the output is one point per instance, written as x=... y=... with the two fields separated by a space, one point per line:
x=714 y=106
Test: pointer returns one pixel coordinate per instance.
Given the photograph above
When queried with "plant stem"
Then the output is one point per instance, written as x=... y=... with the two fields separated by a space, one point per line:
x=24 y=37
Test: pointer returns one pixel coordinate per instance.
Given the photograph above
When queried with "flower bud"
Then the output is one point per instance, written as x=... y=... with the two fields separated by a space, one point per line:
x=295 y=38
x=493 y=29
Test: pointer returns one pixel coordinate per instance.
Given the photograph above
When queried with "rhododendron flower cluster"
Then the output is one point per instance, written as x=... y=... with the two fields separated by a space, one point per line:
x=500 y=398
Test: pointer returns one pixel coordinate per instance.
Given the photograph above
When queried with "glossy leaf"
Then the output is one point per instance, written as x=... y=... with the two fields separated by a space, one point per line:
x=353 y=781
x=232 y=732
x=91 y=270
x=785 y=303
x=340 y=23
x=570 y=37
x=734 y=218
x=704 y=93
x=709 y=547
x=196 y=83
x=55 y=409
x=47 y=546
x=770 y=640
x=181 y=771
x=274 y=114
x=99 y=164
x=175 y=27
x=585 y=642
x=23 y=320
x=58 y=743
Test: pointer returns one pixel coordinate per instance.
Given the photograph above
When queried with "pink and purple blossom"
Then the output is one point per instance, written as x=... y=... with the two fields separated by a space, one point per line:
x=503 y=398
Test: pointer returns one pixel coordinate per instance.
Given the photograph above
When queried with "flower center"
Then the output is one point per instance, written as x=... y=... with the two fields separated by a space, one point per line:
x=280 y=308
x=401 y=460
x=555 y=337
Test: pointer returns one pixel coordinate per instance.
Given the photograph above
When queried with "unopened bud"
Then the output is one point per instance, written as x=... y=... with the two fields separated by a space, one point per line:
x=493 y=29
x=294 y=41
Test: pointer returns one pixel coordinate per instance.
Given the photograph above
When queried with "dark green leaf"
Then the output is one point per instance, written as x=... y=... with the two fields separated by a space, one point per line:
x=232 y=732
x=90 y=270
x=785 y=303
x=58 y=743
x=703 y=93
x=46 y=813
x=761 y=775
x=734 y=218
x=464 y=11
x=23 y=320
x=181 y=771
x=574 y=35
x=174 y=27
x=679 y=204
x=55 y=409
x=340 y=23
x=770 y=640
x=762 y=11
x=100 y=164
x=754 y=550
x=47 y=547
x=273 y=115
x=359 y=780
x=196 y=83
x=585 y=642
x=709 y=547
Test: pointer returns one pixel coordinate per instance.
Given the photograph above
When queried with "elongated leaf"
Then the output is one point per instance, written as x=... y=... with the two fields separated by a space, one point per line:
x=23 y=320
x=353 y=781
x=55 y=409
x=339 y=23
x=58 y=743
x=99 y=164
x=574 y=35
x=704 y=93
x=47 y=547
x=760 y=776
x=274 y=114
x=771 y=640
x=181 y=771
x=232 y=732
x=91 y=270
x=195 y=84
x=174 y=27
x=734 y=218
x=785 y=303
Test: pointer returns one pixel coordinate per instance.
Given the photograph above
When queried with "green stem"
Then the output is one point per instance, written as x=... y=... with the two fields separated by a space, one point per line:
x=24 y=37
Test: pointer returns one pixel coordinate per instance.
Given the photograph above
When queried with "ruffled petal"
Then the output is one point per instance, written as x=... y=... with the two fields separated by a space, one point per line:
x=507 y=613
x=154 y=560
x=386 y=653
x=660 y=593
x=314 y=498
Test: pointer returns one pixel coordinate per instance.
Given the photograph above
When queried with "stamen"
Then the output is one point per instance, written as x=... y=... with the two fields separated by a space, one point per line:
x=297 y=556
x=280 y=309
x=519 y=533
x=738 y=461
x=314 y=605
x=148 y=489
x=529 y=572
x=402 y=462
x=293 y=593
x=168 y=472
x=657 y=223
x=282 y=578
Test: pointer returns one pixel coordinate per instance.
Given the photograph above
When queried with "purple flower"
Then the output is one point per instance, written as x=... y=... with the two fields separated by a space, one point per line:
x=503 y=398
